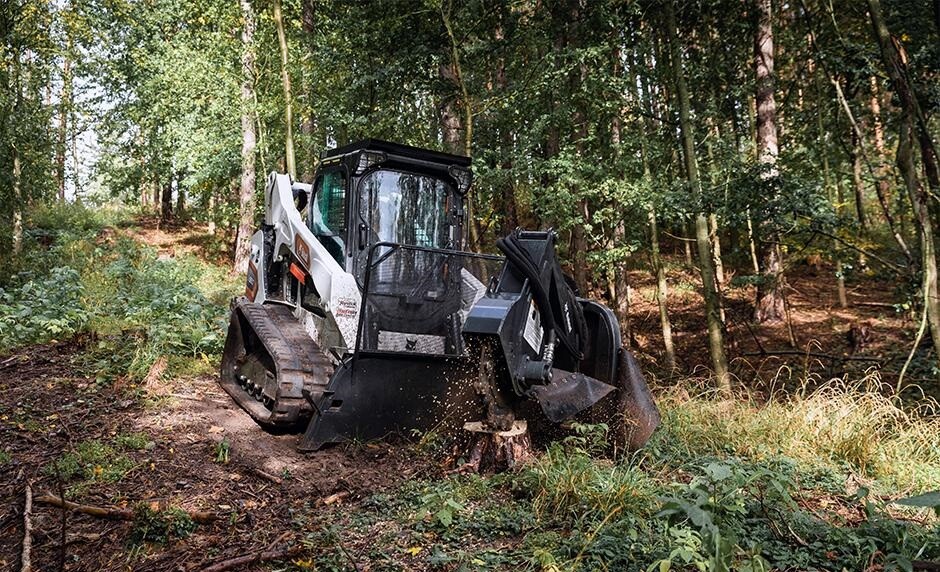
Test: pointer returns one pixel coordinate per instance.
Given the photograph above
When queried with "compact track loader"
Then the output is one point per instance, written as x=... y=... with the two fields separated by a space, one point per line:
x=366 y=317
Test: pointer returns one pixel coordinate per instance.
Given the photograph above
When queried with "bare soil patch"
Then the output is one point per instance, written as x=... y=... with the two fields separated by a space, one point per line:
x=48 y=408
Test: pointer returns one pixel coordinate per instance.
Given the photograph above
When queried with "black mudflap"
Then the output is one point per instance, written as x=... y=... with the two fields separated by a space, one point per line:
x=630 y=411
x=270 y=335
x=371 y=396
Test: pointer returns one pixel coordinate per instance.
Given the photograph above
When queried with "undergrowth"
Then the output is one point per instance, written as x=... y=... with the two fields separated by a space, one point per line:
x=79 y=275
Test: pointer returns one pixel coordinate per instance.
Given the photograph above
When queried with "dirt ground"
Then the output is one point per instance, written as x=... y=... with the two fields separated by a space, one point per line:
x=47 y=408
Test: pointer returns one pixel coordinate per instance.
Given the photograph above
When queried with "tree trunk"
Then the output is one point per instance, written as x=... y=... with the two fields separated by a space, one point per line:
x=659 y=271
x=827 y=184
x=288 y=98
x=712 y=302
x=661 y=292
x=897 y=70
x=509 y=212
x=857 y=184
x=920 y=203
x=65 y=105
x=246 y=194
x=769 y=304
x=166 y=201
x=18 y=202
x=180 y=196
x=308 y=126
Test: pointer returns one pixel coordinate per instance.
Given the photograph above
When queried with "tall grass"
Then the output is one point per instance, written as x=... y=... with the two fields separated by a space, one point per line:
x=854 y=424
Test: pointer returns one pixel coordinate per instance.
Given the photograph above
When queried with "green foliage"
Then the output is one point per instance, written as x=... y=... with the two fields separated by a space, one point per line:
x=222 y=451
x=160 y=526
x=42 y=308
x=133 y=441
x=138 y=305
x=92 y=461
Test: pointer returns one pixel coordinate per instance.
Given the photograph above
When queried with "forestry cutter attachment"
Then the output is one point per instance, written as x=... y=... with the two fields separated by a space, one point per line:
x=367 y=319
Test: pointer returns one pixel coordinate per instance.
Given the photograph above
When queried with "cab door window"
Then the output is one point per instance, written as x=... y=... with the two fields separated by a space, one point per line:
x=328 y=213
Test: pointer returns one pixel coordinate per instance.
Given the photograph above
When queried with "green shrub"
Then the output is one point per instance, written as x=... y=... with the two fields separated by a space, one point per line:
x=160 y=526
x=43 y=307
x=91 y=461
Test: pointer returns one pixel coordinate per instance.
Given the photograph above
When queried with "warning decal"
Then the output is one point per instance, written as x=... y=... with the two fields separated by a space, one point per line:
x=533 y=329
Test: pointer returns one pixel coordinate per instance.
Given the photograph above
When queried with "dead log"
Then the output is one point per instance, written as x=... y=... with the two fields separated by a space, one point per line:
x=26 y=560
x=253 y=558
x=113 y=513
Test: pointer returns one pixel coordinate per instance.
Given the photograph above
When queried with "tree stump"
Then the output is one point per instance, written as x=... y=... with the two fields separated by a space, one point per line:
x=492 y=451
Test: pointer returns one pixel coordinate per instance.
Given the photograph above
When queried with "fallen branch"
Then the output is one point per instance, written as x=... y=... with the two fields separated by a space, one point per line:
x=253 y=558
x=26 y=564
x=810 y=354
x=925 y=565
x=266 y=476
x=201 y=517
x=335 y=498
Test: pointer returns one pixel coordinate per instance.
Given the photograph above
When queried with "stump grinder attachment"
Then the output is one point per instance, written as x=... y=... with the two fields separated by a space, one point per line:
x=365 y=317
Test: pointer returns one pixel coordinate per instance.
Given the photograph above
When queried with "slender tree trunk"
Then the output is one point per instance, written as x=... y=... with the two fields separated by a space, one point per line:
x=857 y=184
x=661 y=292
x=896 y=67
x=18 y=202
x=210 y=212
x=769 y=304
x=65 y=104
x=180 y=195
x=308 y=126
x=510 y=214
x=288 y=98
x=456 y=76
x=827 y=183
x=858 y=151
x=662 y=288
x=712 y=302
x=246 y=194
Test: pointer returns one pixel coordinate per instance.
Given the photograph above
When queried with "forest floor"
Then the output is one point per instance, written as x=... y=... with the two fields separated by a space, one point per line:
x=163 y=441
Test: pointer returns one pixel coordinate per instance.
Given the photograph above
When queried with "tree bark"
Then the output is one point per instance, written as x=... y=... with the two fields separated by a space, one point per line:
x=712 y=302
x=911 y=114
x=17 y=202
x=65 y=105
x=857 y=184
x=246 y=194
x=308 y=126
x=661 y=292
x=769 y=304
x=288 y=98
x=180 y=195
x=166 y=201
x=827 y=184
x=920 y=203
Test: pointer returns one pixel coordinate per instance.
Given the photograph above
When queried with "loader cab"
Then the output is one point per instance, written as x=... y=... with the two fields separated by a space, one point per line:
x=374 y=191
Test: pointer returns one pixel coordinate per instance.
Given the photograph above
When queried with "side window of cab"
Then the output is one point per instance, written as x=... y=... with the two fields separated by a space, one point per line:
x=327 y=216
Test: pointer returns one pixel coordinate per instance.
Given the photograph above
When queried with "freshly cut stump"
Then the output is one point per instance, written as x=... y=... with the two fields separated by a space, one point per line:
x=492 y=451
